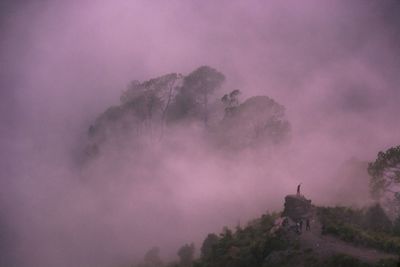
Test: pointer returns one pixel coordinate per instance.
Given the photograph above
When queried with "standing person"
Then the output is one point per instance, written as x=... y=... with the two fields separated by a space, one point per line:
x=298 y=228
x=298 y=189
x=308 y=228
x=301 y=225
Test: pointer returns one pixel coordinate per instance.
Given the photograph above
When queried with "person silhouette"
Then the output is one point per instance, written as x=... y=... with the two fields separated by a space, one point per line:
x=298 y=189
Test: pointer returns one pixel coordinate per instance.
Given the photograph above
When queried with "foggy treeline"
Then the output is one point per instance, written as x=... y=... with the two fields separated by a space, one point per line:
x=153 y=110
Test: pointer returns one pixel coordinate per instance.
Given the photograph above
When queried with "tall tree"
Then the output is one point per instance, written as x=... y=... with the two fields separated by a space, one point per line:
x=258 y=120
x=193 y=98
x=152 y=258
x=186 y=255
x=385 y=178
x=207 y=246
x=164 y=87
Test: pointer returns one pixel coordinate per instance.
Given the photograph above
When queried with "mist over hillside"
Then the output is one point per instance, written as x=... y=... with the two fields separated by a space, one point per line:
x=81 y=189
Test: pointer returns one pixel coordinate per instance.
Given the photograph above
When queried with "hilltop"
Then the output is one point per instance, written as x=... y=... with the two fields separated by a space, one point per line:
x=337 y=236
x=277 y=240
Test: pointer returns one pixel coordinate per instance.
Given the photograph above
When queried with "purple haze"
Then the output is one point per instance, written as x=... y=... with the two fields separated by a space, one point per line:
x=334 y=66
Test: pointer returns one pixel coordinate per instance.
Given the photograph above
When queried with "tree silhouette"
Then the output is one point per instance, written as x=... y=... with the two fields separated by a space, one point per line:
x=385 y=179
x=186 y=255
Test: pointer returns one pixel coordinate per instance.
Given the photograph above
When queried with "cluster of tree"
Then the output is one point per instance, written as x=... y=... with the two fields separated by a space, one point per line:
x=384 y=216
x=248 y=246
x=146 y=108
x=258 y=120
x=257 y=245
x=385 y=180
x=368 y=227
x=166 y=99
x=152 y=258
x=372 y=218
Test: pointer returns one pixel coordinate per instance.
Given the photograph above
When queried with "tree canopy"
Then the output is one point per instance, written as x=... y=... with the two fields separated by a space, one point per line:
x=152 y=258
x=385 y=179
x=194 y=95
x=150 y=107
x=186 y=255
x=385 y=172
x=257 y=120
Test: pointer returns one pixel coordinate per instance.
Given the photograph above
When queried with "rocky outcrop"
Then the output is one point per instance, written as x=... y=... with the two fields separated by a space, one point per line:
x=297 y=207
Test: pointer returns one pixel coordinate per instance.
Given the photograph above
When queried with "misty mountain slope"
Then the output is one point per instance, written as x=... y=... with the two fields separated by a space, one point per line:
x=327 y=245
x=274 y=240
x=261 y=243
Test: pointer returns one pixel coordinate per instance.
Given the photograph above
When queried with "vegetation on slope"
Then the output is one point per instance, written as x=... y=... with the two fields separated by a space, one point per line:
x=385 y=180
x=364 y=227
x=261 y=244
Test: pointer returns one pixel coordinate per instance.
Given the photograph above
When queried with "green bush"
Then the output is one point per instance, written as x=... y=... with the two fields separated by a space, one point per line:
x=368 y=228
x=247 y=246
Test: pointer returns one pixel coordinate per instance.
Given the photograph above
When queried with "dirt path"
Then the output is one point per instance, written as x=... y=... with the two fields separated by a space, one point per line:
x=326 y=245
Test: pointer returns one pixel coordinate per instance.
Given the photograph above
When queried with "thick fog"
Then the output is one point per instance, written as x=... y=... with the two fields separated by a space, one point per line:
x=333 y=65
